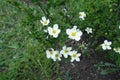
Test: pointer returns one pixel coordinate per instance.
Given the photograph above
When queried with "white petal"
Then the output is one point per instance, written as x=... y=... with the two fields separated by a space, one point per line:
x=72 y=60
x=69 y=48
x=68 y=31
x=110 y=43
x=79 y=33
x=48 y=55
x=105 y=41
x=50 y=30
x=64 y=47
x=70 y=53
x=74 y=51
x=78 y=54
x=55 y=35
x=52 y=49
x=47 y=51
x=48 y=21
x=70 y=37
x=62 y=51
x=59 y=59
x=42 y=22
x=44 y=18
x=77 y=38
x=74 y=27
x=77 y=59
x=65 y=55
x=55 y=26
x=82 y=17
x=58 y=31
x=54 y=59
x=108 y=47
x=104 y=47
x=53 y=56
x=114 y=49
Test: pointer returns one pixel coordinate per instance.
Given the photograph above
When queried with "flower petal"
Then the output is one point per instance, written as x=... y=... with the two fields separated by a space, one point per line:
x=77 y=59
x=68 y=31
x=55 y=26
x=44 y=18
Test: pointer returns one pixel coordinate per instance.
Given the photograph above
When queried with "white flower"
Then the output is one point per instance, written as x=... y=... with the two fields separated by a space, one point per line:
x=82 y=15
x=74 y=33
x=119 y=26
x=88 y=30
x=50 y=53
x=65 y=51
x=56 y=56
x=117 y=50
x=106 y=45
x=54 y=31
x=75 y=56
x=45 y=21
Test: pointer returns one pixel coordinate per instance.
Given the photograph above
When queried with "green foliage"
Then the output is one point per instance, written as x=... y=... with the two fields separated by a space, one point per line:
x=22 y=56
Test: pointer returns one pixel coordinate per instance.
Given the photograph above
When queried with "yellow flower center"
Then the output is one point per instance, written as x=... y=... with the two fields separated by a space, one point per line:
x=73 y=34
x=45 y=22
x=54 y=31
x=66 y=51
x=74 y=55
x=57 y=55
x=106 y=45
x=51 y=52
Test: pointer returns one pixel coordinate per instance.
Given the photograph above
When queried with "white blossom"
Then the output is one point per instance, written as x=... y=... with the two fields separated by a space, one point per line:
x=75 y=56
x=56 y=56
x=82 y=15
x=88 y=30
x=50 y=53
x=54 y=31
x=74 y=33
x=65 y=51
x=106 y=45
x=45 y=21
x=117 y=50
